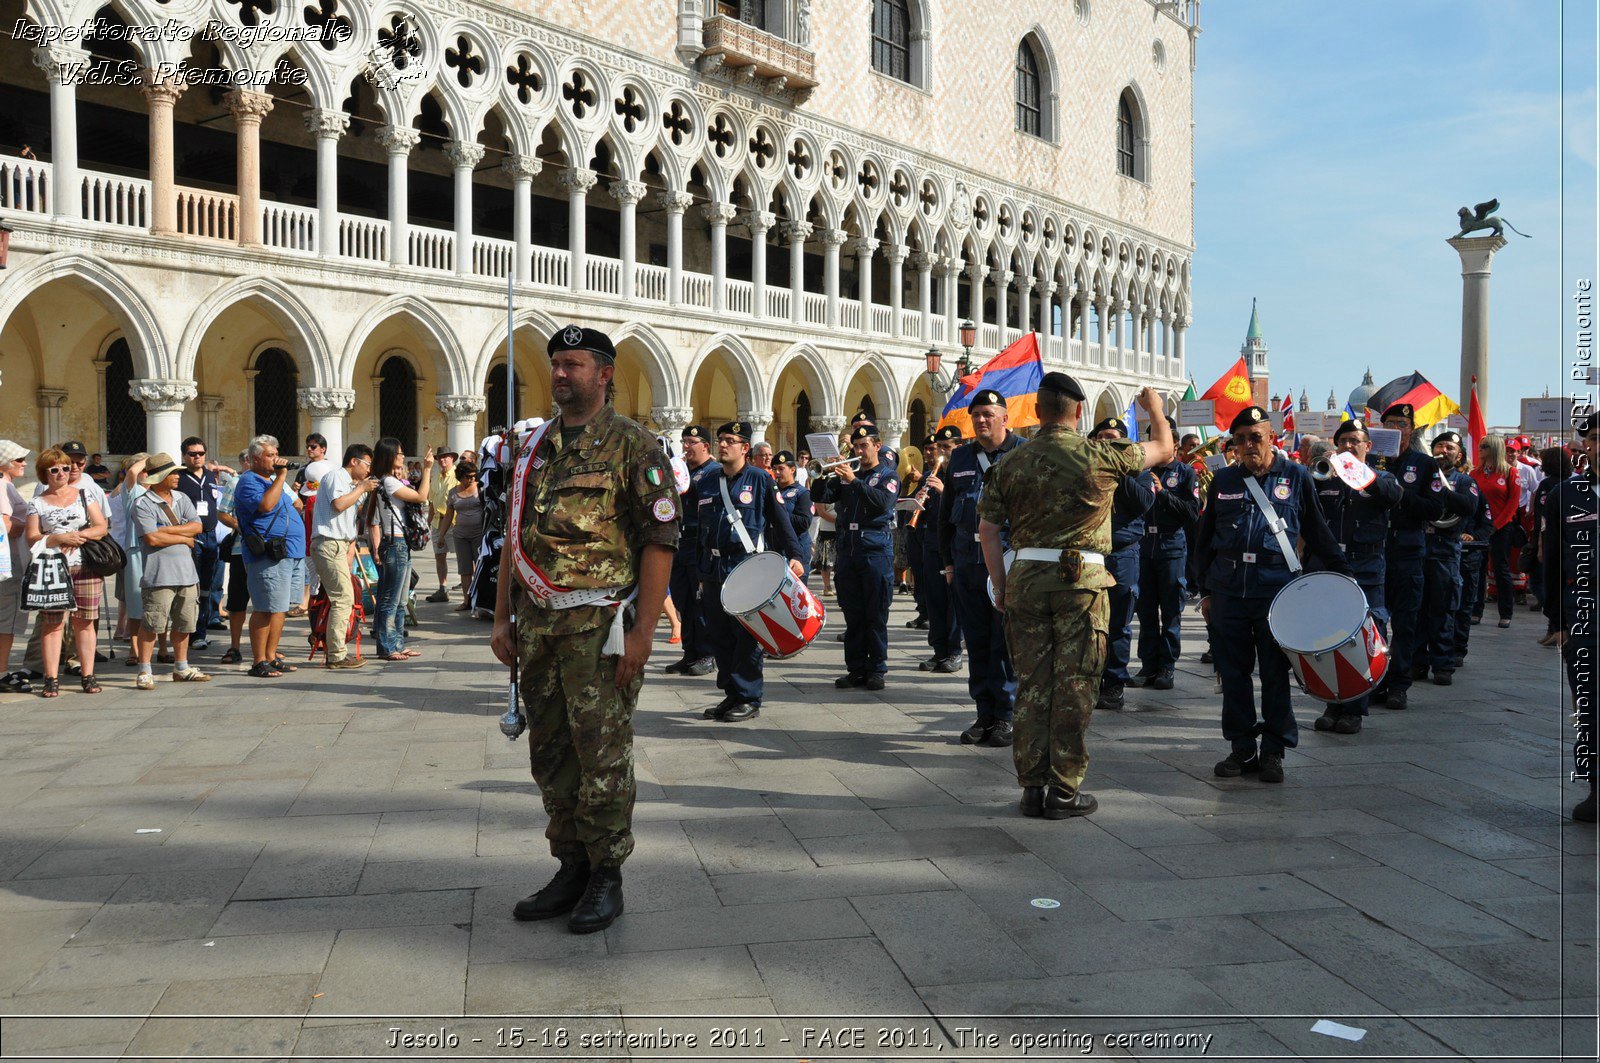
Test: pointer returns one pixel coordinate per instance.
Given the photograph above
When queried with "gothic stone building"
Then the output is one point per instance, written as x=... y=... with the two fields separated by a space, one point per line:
x=283 y=216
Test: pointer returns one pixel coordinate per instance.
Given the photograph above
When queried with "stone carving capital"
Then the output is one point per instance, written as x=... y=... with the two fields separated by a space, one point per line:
x=759 y=221
x=829 y=423
x=461 y=407
x=163 y=396
x=977 y=272
x=922 y=261
x=798 y=231
x=248 y=107
x=61 y=64
x=675 y=202
x=833 y=237
x=950 y=265
x=161 y=90
x=463 y=154
x=892 y=428
x=718 y=213
x=670 y=419
x=520 y=166
x=759 y=419
x=577 y=180
x=51 y=398
x=1181 y=322
x=328 y=124
x=864 y=245
x=398 y=139
x=325 y=402
x=896 y=253
x=628 y=192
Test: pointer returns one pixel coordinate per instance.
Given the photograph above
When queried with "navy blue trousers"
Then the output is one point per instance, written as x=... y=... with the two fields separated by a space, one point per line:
x=938 y=600
x=1242 y=642
x=739 y=656
x=1124 y=567
x=1162 y=589
x=1472 y=562
x=865 y=586
x=1403 y=589
x=991 y=681
x=1441 y=597
x=685 y=590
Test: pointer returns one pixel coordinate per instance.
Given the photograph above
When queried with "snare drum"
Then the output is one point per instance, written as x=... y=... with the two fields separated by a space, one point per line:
x=1321 y=622
x=777 y=609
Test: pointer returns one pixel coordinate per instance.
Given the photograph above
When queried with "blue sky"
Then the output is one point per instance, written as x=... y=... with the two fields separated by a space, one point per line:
x=1334 y=144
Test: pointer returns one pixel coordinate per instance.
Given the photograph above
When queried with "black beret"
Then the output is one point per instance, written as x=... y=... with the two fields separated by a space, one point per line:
x=784 y=457
x=578 y=338
x=986 y=397
x=1062 y=384
x=741 y=429
x=1250 y=415
x=1172 y=423
x=930 y=440
x=1448 y=437
x=1584 y=425
x=697 y=431
x=861 y=415
x=1116 y=424
x=948 y=434
x=1355 y=424
x=863 y=430
x=1400 y=409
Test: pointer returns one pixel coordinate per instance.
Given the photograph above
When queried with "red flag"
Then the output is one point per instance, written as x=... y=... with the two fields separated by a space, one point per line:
x=1287 y=406
x=1231 y=393
x=1477 y=428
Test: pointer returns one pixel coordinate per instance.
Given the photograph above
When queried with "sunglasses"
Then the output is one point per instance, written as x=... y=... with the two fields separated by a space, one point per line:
x=80 y=462
x=194 y=453
x=59 y=469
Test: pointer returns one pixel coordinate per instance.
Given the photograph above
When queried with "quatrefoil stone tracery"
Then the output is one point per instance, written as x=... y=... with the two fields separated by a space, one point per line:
x=525 y=78
x=465 y=61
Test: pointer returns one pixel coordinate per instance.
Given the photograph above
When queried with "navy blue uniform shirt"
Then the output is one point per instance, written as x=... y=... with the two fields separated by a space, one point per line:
x=864 y=512
x=958 y=507
x=1239 y=555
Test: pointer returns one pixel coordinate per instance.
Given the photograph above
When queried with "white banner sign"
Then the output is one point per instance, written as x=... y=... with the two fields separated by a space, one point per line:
x=824 y=446
x=1196 y=413
x=1546 y=415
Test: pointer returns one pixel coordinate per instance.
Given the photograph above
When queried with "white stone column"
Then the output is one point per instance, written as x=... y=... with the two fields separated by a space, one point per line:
x=627 y=194
x=1180 y=329
x=758 y=223
x=1024 y=286
x=670 y=421
x=100 y=367
x=1047 y=291
x=891 y=430
x=461 y=420
x=248 y=109
x=719 y=215
x=922 y=262
x=327 y=127
x=675 y=204
x=161 y=95
x=759 y=420
x=977 y=272
x=832 y=240
x=398 y=141
x=1477 y=257
x=577 y=181
x=1002 y=303
x=325 y=408
x=211 y=425
x=50 y=401
x=464 y=157
x=62 y=66
x=797 y=232
x=163 y=402
x=896 y=254
x=1102 y=316
x=522 y=169
x=864 y=248
x=950 y=270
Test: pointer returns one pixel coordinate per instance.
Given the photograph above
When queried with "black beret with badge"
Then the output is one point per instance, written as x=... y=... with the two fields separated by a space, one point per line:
x=986 y=397
x=1400 y=409
x=784 y=457
x=696 y=431
x=948 y=434
x=1062 y=384
x=863 y=430
x=1116 y=424
x=1247 y=417
x=1448 y=437
x=1354 y=424
x=578 y=338
x=742 y=429
x=930 y=440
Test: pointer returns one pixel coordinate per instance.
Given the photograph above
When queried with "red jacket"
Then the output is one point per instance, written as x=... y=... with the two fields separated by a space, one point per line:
x=1503 y=493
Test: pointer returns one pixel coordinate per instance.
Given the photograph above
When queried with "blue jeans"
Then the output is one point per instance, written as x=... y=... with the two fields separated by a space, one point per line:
x=205 y=563
x=394 y=579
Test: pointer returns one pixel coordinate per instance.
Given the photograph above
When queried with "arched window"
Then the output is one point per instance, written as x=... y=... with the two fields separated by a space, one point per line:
x=125 y=423
x=397 y=403
x=1130 y=137
x=1030 y=111
x=891 y=38
x=276 y=412
x=919 y=422
x=802 y=419
x=495 y=396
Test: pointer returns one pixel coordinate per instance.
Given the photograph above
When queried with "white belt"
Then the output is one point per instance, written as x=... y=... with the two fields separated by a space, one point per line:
x=1037 y=554
x=591 y=596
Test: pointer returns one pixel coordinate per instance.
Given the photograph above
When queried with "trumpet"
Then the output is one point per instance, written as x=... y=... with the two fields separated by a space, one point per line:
x=1322 y=470
x=1449 y=520
x=816 y=468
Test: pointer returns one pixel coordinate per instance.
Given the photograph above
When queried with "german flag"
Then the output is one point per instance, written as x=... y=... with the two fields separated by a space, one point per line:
x=1431 y=404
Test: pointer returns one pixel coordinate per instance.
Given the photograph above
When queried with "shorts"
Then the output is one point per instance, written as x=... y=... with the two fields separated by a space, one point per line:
x=14 y=620
x=441 y=541
x=274 y=585
x=238 y=585
x=822 y=554
x=87 y=592
x=171 y=609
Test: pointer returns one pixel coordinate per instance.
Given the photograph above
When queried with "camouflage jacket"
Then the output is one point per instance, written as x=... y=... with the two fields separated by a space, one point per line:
x=591 y=508
x=1056 y=493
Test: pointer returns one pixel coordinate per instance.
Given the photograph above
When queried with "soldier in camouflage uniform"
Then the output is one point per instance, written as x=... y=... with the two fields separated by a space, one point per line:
x=597 y=516
x=1056 y=495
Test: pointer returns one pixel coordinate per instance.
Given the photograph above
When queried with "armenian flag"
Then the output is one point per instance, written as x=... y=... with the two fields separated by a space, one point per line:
x=1429 y=403
x=1015 y=373
x=1231 y=393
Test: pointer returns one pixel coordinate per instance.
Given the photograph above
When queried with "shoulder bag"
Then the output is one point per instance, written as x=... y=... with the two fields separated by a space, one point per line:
x=103 y=556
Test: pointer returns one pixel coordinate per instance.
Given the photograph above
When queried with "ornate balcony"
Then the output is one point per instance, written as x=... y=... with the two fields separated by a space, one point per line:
x=746 y=52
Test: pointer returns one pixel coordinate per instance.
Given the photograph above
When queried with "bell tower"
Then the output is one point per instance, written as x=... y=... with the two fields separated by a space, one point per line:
x=1254 y=352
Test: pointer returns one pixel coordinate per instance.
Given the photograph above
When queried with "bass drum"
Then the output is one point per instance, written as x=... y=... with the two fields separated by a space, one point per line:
x=779 y=611
x=1321 y=622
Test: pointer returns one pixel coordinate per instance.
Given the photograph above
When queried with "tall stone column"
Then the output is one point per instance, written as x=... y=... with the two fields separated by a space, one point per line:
x=759 y=420
x=100 y=367
x=522 y=170
x=161 y=95
x=832 y=240
x=977 y=272
x=325 y=408
x=864 y=248
x=248 y=109
x=1024 y=287
x=627 y=194
x=50 y=401
x=675 y=203
x=464 y=157
x=461 y=420
x=896 y=254
x=398 y=142
x=327 y=127
x=1047 y=291
x=577 y=181
x=797 y=232
x=891 y=430
x=950 y=270
x=163 y=402
x=211 y=426
x=922 y=262
x=1002 y=304
x=719 y=215
x=1477 y=256
x=1180 y=329
x=61 y=65
x=758 y=223
x=1102 y=310
x=672 y=420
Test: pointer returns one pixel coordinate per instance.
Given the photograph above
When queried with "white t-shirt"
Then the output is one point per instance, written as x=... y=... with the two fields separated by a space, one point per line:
x=326 y=523
x=94 y=491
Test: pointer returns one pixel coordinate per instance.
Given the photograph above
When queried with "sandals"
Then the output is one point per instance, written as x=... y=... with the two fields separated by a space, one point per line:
x=398 y=655
x=232 y=657
x=90 y=684
x=263 y=670
x=51 y=688
x=284 y=666
x=294 y=614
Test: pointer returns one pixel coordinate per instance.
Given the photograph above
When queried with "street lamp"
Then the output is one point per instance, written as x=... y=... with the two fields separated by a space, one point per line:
x=937 y=378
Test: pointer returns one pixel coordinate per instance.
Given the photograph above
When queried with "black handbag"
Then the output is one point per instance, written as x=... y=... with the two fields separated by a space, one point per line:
x=102 y=557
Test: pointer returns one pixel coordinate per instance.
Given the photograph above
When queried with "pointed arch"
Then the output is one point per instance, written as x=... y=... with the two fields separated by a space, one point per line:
x=1133 y=134
x=822 y=388
x=886 y=396
x=659 y=366
x=747 y=373
x=489 y=349
x=1038 y=86
x=451 y=363
x=147 y=344
x=282 y=305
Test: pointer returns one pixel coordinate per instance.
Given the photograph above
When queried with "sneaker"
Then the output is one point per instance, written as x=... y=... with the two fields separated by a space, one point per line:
x=1110 y=698
x=145 y=681
x=704 y=666
x=948 y=665
x=16 y=683
x=201 y=644
x=1237 y=764
x=1348 y=724
x=1326 y=721
x=1396 y=699
x=1272 y=767
x=1207 y=658
x=874 y=682
x=1141 y=679
x=927 y=666
x=440 y=595
x=190 y=675
x=845 y=682
x=1164 y=681
x=1000 y=736
x=974 y=735
x=1443 y=679
x=347 y=663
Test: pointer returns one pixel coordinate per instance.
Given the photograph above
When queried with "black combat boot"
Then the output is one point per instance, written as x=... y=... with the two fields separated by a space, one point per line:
x=558 y=896
x=1059 y=804
x=1032 y=803
x=601 y=902
x=1164 y=681
x=1110 y=698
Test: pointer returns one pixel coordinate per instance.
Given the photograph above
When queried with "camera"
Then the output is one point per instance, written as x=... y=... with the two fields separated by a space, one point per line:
x=290 y=465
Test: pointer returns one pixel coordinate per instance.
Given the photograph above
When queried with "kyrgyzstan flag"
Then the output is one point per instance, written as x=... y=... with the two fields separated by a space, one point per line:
x=1477 y=428
x=1428 y=403
x=1231 y=393
x=1015 y=373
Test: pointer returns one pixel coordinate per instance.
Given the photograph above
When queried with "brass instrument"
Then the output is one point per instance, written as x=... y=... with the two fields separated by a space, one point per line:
x=1449 y=520
x=1203 y=474
x=922 y=492
x=816 y=468
x=1323 y=470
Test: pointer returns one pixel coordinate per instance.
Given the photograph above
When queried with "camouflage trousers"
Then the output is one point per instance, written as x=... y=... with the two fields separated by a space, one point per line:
x=580 y=744
x=1057 y=636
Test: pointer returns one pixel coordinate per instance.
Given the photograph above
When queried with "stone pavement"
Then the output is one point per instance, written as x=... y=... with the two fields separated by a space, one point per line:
x=327 y=850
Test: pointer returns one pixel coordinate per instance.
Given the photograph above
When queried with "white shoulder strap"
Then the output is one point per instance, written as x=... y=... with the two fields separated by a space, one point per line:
x=1274 y=523
x=983 y=460
x=733 y=516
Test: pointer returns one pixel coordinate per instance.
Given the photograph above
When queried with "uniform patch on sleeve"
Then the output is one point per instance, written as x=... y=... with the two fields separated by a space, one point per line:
x=654 y=476
x=664 y=510
x=891 y=485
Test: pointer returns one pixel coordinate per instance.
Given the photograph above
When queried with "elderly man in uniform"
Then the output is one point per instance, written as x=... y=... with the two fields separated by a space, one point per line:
x=1570 y=523
x=1359 y=521
x=1135 y=497
x=1056 y=495
x=1407 y=551
x=1441 y=594
x=944 y=634
x=864 y=558
x=697 y=656
x=739 y=513
x=590 y=535
x=1255 y=511
x=1163 y=561
x=991 y=682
